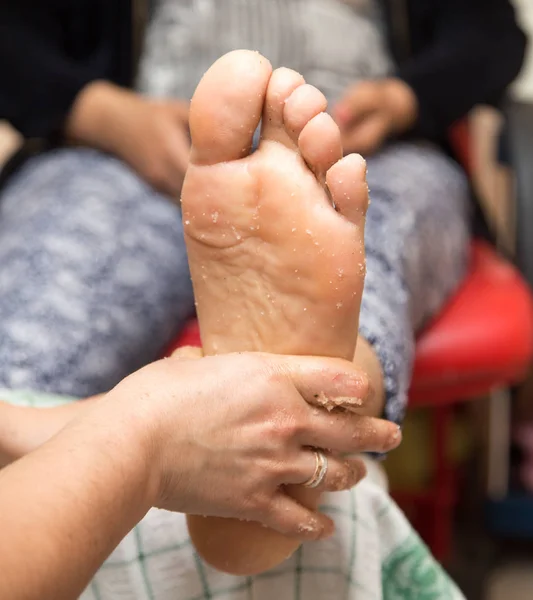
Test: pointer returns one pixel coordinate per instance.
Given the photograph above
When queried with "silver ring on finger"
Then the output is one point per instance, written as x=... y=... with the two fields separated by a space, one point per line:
x=321 y=470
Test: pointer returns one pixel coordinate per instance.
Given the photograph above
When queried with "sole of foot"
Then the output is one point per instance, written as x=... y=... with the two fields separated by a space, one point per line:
x=275 y=240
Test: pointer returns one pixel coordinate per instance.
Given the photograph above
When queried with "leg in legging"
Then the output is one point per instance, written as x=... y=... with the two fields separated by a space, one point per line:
x=417 y=242
x=93 y=274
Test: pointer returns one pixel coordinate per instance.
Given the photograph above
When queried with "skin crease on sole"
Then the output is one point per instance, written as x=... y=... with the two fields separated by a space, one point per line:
x=275 y=267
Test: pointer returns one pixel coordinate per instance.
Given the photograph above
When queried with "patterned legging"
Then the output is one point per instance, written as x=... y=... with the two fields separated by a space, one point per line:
x=94 y=280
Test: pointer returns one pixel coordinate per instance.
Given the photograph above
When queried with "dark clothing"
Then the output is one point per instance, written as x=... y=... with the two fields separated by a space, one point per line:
x=51 y=49
x=453 y=53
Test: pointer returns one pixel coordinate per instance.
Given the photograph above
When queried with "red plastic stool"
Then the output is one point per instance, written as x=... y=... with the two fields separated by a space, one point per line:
x=481 y=341
x=190 y=336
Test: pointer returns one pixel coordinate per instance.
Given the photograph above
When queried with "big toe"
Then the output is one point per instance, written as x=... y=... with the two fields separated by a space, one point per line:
x=226 y=107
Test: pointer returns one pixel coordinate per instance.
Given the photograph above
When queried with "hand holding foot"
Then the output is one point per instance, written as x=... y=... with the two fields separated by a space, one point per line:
x=275 y=266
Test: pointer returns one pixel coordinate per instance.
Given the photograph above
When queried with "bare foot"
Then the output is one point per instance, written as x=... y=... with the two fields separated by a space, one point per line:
x=275 y=266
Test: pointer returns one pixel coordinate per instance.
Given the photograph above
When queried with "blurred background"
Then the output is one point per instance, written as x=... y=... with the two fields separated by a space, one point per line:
x=464 y=474
x=491 y=549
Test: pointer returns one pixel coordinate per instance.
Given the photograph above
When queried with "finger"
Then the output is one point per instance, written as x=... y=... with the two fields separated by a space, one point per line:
x=188 y=353
x=325 y=381
x=347 y=433
x=292 y=519
x=367 y=136
x=340 y=473
x=358 y=102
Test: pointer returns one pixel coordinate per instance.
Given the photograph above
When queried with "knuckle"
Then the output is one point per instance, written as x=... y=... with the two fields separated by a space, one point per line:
x=271 y=470
x=281 y=468
x=285 y=427
x=274 y=375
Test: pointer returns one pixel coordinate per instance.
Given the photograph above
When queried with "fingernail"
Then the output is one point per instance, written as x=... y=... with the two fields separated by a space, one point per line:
x=327 y=531
x=395 y=438
x=351 y=385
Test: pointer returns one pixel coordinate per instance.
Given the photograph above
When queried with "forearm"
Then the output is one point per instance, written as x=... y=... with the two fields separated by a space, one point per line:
x=66 y=506
x=23 y=429
x=96 y=116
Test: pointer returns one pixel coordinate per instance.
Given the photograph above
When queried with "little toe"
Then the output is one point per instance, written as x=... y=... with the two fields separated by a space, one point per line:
x=346 y=181
x=226 y=107
x=320 y=145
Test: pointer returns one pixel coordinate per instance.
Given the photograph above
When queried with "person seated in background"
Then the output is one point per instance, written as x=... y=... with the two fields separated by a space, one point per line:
x=91 y=237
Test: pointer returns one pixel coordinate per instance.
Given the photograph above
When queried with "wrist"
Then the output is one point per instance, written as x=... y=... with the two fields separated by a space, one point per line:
x=128 y=437
x=138 y=427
